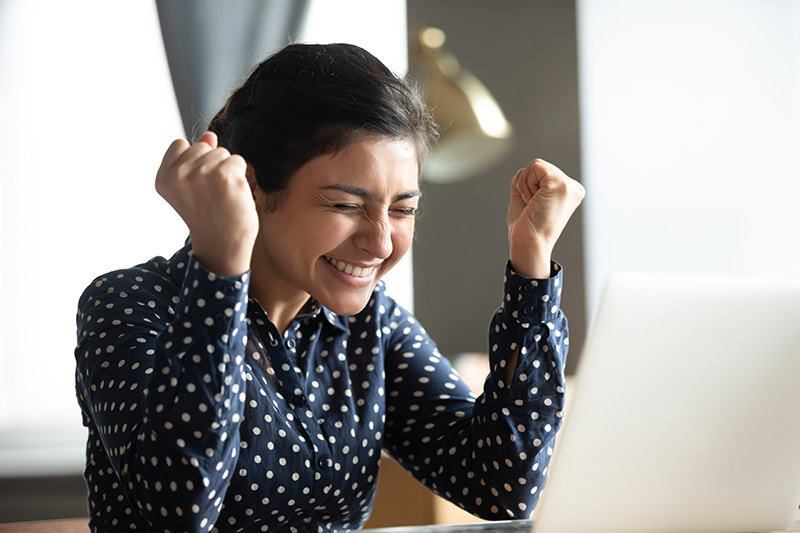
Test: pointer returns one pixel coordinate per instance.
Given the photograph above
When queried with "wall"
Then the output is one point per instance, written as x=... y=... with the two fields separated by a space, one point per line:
x=691 y=130
x=526 y=55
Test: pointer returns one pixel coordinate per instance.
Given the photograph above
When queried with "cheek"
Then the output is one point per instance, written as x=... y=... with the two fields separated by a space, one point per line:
x=317 y=235
x=402 y=236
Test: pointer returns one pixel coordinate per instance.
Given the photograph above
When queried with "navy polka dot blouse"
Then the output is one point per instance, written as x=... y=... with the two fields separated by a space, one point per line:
x=202 y=416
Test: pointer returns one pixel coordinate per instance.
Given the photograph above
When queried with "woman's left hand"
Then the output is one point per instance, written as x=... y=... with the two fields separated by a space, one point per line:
x=542 y=200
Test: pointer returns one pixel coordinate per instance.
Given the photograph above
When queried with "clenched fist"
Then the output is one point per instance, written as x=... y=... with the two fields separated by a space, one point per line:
x=208 y=188
x=542 y=200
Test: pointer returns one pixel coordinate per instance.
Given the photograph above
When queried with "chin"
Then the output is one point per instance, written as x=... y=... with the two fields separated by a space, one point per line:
x=348 y=306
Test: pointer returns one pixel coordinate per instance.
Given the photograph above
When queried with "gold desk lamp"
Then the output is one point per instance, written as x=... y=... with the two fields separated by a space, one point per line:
x=475 y=134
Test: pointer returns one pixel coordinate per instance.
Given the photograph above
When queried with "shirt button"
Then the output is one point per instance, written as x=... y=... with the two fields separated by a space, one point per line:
x=529 y=287
x=527 y=310
x=299 y=399
x=290 y=344
x=220 y=318
x=322 y=463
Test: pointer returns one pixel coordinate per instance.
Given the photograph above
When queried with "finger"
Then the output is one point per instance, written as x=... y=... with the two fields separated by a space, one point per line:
x=171 y=159
x=551 y=179
x=527 y=184
x=236 y=167
x=175 y=150
x=196 y=155
x=211 y=158
x=209 y=138
x=515 y=183
x=541 y=171
x=560 y=183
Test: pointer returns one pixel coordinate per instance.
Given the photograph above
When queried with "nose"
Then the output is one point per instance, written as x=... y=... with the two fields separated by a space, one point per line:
x=375 y=237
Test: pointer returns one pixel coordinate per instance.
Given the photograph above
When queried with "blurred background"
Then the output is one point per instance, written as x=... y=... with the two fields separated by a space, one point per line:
x=680 y=117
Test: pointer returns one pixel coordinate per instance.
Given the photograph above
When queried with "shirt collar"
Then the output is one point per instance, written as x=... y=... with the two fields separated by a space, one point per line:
x=338 y=321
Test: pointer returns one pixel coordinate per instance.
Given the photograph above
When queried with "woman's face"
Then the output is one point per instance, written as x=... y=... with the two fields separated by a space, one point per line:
x=346 y=220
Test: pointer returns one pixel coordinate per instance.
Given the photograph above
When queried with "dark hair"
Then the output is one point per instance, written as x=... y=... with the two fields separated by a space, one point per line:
x=311 y=100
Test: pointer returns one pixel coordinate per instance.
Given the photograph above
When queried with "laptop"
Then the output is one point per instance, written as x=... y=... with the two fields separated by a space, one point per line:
x=685 y=414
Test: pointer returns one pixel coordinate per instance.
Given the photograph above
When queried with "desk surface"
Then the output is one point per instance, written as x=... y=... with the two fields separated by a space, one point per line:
x=80 y=525
x=508 y=526
x=504 y=526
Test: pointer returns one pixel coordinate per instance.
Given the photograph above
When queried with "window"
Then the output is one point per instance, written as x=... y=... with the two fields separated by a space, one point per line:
x=87 y=110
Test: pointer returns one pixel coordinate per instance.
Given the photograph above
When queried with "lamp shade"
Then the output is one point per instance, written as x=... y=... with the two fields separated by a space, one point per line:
x=475 y=134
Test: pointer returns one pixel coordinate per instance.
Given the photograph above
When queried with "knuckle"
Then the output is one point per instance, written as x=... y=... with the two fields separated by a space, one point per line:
x=235 y=161
x=178 y=145
x=222 y=151
x=559 y=186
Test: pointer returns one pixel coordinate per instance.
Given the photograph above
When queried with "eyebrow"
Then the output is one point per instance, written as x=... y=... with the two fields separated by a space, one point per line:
x=363 y=193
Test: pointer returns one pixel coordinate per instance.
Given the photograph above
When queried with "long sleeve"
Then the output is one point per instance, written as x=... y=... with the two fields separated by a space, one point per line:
x=202 y=416
x=160 y=380
x=487 y=454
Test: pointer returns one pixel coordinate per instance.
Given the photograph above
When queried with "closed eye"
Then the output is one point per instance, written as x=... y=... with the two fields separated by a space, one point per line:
x=352 y=208
x=405 y=211
x=346 y=208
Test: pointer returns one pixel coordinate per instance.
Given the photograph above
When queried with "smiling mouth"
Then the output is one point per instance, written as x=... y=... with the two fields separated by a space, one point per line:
x=347 y=268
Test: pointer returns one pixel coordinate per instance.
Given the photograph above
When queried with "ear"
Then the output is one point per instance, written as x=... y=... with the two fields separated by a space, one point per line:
x=250 y=174
x=255 y=190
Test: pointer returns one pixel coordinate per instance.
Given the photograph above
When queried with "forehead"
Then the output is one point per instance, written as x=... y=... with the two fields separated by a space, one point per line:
x=376 y=165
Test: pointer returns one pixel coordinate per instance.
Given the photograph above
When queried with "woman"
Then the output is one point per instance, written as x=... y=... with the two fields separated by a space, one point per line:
x=250 y=382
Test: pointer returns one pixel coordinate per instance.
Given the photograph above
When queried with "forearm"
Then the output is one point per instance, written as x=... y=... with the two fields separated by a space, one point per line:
x=532 y=308
x=490 y=457
x=198 y=377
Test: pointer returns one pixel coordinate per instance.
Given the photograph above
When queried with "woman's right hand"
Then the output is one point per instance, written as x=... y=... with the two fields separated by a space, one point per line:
x=208 y=188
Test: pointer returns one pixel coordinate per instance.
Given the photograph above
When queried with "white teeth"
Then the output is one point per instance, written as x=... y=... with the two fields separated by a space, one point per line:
x=355 y=271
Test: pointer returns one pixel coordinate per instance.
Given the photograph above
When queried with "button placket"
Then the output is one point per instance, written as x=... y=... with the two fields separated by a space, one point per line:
x=282 y=353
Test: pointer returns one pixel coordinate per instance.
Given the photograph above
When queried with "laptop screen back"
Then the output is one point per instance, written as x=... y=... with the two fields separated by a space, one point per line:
x=685 y=410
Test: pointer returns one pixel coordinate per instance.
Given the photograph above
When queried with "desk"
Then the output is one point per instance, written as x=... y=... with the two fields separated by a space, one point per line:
x=509 y=526
x=80 y=525
x=71 y=525
x=505 y=526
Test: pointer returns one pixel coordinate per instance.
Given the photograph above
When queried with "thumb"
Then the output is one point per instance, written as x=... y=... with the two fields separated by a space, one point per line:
x=210 y=138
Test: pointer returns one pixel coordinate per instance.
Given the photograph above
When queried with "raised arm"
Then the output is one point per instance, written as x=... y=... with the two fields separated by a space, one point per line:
x=490 y=455
x=160 y=371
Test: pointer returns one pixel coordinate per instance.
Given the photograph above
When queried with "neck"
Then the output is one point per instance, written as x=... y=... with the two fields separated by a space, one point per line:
x=281 y=306
x=280 y=312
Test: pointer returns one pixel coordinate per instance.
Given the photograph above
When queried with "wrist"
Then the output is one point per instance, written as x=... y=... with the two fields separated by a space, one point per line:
x=532 y=261
x=536 y=270
x=222 y=262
